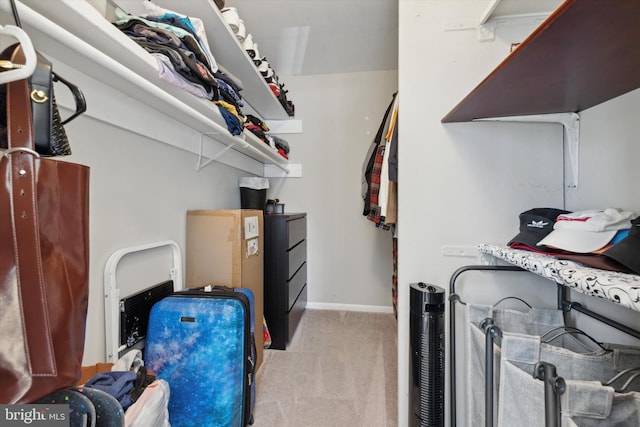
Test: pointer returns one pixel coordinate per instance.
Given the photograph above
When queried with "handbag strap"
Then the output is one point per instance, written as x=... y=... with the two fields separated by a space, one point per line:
x=14 y=9
x=78 y=96
x=24 y=222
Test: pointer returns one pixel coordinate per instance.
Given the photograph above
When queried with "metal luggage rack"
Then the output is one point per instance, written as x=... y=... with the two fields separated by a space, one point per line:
x=553 y=384
x=113 y=297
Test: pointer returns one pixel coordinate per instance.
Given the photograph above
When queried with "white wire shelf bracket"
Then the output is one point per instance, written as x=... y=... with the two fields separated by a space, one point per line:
x=199 y=165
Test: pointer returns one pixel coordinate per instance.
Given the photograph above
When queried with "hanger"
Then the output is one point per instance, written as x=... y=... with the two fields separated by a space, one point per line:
x=569 y=330
x=515 y=298
x=634 y=373
x=18 y=71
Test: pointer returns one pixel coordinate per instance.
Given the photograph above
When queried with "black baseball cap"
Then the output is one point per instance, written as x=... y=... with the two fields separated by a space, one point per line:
x=535 y=224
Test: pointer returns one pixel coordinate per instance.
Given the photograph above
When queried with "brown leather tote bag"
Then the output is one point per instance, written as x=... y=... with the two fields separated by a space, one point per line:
x=44 y=255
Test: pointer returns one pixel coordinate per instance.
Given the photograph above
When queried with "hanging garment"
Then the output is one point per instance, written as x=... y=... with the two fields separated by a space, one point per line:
x=372 y=153
x=379 y=184
x=374 y=188
x=383 y=191
x=391 y=216
x=379 y=187
x=388 y=197
x=393 y=155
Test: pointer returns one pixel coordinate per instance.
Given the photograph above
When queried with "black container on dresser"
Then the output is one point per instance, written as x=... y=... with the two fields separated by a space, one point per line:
x=285 y=274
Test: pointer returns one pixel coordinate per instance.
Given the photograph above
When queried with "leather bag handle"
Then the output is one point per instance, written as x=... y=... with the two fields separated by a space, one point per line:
x=22 y=181
x=78 y=96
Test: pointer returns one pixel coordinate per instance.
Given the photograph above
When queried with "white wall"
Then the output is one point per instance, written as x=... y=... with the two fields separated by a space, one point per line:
x=140 y=191
x=464 y=184
x=350 y=261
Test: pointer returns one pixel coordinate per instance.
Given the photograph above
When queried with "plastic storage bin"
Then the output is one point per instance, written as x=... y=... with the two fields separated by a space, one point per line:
x=253 y=192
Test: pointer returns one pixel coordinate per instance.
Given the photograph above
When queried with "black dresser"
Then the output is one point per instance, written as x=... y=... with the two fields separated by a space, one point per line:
x=285 y=274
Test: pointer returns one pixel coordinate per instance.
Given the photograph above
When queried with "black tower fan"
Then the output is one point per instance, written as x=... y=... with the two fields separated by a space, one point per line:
x=426 y=370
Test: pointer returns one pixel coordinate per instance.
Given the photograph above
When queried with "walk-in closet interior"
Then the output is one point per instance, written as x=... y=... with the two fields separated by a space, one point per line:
x=512 y=202
x=156 y=152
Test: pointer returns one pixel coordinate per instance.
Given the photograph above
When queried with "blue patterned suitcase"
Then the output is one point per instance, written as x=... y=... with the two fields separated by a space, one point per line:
x=253 y=350
x=201 y=344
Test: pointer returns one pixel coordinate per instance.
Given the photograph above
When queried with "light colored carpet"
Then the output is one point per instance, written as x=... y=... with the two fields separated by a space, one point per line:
x=339 y=370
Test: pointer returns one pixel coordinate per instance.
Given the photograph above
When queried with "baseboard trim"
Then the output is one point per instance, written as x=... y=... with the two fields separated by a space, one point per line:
x=349 y=307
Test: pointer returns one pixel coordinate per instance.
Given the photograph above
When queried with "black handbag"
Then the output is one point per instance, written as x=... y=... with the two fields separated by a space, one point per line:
x=48 y=127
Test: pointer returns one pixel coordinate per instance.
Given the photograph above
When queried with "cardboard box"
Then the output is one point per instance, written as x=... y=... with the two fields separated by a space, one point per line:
x=225 y=247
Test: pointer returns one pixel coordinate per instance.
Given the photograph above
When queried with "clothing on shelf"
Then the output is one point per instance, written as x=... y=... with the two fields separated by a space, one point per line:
x=179 y=45
x=260 y=129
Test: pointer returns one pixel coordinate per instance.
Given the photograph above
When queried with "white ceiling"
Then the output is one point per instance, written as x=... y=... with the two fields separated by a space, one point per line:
x=340 y=36
x=323 y=36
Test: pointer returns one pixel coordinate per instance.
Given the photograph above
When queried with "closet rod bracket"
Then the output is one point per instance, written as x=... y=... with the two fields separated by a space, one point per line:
x=571 y=124
x=200 y=165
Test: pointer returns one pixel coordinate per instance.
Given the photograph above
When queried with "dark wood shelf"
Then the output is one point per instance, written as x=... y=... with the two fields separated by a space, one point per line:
x=583 y=54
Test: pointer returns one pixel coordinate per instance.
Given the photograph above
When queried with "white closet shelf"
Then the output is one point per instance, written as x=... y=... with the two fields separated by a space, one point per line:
x=615 y=287
x=76 y=33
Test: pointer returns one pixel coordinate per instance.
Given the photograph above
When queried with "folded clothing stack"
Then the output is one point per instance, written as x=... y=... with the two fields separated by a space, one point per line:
x=260 y=129
x=180 y=46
